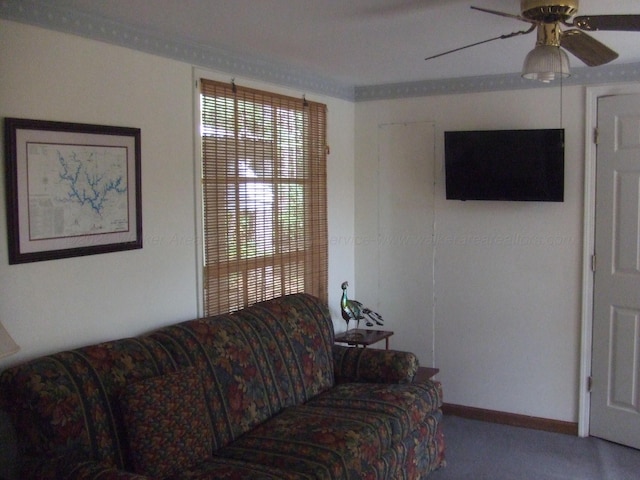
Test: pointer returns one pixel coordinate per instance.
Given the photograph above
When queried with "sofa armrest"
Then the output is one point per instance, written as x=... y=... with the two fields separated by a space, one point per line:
x=372 y=365
x=63 y=467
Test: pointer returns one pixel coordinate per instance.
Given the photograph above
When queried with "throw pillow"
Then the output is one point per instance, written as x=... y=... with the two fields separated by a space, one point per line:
x=167 y=423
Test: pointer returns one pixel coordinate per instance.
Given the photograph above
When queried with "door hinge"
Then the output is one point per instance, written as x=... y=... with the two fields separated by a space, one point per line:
x=593 y=262
x=596 y=136
x=589 y=384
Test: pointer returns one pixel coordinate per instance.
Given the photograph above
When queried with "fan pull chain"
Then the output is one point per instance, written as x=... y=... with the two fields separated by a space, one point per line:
x=561 y=100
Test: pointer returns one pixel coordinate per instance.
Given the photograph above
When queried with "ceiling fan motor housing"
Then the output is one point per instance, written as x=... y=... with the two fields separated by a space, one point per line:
x=548 y=11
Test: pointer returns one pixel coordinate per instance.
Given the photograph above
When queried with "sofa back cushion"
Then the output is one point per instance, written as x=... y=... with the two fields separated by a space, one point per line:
x=63 y=404
x=258 y=360
x=296 y=336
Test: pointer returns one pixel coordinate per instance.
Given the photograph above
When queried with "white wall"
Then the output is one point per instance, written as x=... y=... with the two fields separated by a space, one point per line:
x=54 y=305
x=508 y=274
x=506 y=312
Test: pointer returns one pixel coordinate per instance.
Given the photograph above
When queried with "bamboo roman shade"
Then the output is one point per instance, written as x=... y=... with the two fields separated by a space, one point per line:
x=264 y=196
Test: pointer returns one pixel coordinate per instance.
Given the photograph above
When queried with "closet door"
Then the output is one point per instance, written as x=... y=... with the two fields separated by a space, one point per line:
x=405 y=206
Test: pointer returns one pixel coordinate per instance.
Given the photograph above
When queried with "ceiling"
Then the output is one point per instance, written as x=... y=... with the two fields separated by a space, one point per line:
x=353 y=42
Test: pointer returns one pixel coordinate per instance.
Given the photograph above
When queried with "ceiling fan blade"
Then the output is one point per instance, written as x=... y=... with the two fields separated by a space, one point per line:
x=502 y=14
x=462 y=48
x=586 y=48
x=501 y=37
x=625 y=23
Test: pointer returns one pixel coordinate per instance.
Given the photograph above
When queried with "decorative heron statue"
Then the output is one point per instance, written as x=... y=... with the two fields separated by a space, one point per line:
x=354 y=310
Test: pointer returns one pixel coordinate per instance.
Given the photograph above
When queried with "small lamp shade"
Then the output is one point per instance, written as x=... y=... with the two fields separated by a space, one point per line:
x=546 y=63
x=7 y=345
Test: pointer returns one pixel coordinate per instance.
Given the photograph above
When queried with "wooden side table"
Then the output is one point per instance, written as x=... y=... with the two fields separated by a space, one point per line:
x=425 y=373
x=363 y=337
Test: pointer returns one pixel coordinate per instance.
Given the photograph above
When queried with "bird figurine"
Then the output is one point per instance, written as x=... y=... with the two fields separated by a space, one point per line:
x=354 y=310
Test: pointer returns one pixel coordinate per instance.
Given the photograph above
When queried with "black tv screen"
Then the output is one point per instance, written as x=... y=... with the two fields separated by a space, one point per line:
x=516 y=165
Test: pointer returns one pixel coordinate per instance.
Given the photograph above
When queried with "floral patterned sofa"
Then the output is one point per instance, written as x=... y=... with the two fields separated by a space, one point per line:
x=262 y=393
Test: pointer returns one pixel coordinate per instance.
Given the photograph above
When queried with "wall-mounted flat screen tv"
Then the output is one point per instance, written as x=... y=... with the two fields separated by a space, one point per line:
x=515 y=165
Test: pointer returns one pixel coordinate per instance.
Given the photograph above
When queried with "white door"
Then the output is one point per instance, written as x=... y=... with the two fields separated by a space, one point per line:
x=405 y=230
x=615 y=398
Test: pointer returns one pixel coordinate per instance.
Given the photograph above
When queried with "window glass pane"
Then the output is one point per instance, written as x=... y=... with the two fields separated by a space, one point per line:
x=292 y=217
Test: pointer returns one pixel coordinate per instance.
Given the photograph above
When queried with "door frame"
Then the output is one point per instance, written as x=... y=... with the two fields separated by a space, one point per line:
x=590 y=156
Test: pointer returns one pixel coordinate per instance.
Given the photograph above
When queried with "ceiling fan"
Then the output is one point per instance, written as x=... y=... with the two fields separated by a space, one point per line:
x=548 y=60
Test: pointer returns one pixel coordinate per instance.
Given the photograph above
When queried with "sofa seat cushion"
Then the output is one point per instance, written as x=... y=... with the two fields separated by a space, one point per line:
x=167 y=423
x=219 y=468
x=404 y=406
x=318 y=443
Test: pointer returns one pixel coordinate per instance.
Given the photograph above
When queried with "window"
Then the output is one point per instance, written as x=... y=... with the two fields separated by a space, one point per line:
x=264 y=196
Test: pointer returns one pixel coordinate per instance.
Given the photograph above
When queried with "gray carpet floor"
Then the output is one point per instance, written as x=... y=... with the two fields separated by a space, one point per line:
x=478 y=450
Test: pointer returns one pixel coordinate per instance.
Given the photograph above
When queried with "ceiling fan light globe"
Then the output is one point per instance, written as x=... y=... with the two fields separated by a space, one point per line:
x=546 y=63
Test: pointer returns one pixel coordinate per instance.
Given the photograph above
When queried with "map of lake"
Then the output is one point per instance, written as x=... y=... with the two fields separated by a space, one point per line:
x=76 y=190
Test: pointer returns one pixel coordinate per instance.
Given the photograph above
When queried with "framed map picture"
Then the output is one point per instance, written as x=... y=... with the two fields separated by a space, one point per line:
x=72 y=189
